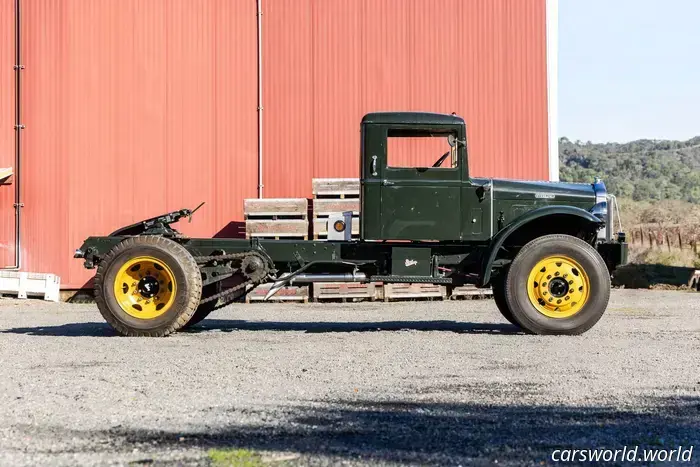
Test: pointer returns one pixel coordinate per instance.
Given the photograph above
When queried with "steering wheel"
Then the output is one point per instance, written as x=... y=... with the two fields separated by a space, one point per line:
x=439 y=162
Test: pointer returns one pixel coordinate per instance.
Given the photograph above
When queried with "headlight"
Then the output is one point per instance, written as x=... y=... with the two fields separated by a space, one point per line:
x=600 y=209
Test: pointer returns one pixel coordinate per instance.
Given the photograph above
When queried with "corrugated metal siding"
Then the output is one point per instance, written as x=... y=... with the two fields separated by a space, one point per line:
x=7 y=122
x=328 y=62
x=134 y=108
x=137 y=107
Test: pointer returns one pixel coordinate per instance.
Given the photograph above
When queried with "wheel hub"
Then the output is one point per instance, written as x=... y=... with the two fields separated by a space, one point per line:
x=558 y=287
x=145 y=287
x=148 y=286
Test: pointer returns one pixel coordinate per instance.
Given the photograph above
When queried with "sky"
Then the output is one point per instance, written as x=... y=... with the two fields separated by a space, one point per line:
x=629 y=69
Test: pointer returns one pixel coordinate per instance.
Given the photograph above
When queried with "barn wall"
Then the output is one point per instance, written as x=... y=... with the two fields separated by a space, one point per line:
x=327 y=63
x=133 y=108
x=137 y=107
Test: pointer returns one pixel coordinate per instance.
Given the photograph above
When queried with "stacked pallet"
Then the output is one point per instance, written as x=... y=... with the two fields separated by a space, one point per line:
x=277 y=218
x=331 y=196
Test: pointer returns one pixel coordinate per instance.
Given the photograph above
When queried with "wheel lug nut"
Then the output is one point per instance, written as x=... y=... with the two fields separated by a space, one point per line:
x=571 y=290
x=571 y=282
x=544 y=293
x=566 y=298
x=550 y=299
x=549 y=276
x=147 y=302
x=559 y=301
x=139 y=299
x=556 y=273
x=133 y=284
x=544 y=284
x=565 y=276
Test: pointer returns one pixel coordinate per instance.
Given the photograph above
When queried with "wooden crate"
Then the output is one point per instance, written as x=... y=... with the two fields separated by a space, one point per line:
x=335 y=187
x=414 y=291
x=323 y=207
x=275 y=208
x=343 y=291
x=276 y=218
x=290 y=293
x=288 y=228
x=469 y=291
x=320 y=228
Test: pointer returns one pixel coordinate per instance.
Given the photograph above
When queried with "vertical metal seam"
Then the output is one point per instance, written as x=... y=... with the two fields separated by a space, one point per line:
x=260 y=100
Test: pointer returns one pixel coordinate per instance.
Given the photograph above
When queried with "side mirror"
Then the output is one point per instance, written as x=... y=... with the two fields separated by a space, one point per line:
x=452 y=140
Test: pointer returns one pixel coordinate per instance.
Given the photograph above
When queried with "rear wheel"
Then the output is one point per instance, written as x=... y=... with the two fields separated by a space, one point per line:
x=205 y=308
x=557 y=284
x=148 y=286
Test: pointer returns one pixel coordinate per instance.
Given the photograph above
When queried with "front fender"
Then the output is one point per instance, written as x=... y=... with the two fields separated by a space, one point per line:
x=540 y=213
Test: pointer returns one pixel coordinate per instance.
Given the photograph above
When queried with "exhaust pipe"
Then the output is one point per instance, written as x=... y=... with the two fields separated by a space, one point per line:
x=308 y=278
x=347 y=277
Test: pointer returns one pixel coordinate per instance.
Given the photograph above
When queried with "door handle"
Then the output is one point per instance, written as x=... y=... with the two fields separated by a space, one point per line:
x=387 y=182
x=374 y=166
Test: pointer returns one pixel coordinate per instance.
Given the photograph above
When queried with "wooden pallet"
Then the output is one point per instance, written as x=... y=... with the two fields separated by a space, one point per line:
x=344 y=291
x=323 y=207
x=414 y=291
x=275 y=208
x=331 y=196
x=468 y=291
x=276 y=218
x=335 y=187
x=290 y=293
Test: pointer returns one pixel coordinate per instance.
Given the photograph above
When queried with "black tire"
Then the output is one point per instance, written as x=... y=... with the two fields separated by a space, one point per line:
x=498 y=286
x=204 y=309
x=185 y=297
x=516 y=286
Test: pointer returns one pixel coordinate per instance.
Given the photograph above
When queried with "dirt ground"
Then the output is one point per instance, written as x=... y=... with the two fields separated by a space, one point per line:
x=442 y=383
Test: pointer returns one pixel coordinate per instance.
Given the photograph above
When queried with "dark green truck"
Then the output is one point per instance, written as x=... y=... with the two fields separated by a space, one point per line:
x=546 y=249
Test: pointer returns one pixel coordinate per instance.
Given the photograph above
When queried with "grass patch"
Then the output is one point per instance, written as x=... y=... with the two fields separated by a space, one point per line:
x=235 y=458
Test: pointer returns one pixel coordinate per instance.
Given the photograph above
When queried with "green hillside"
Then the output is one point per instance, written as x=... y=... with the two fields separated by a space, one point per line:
x=643 y=170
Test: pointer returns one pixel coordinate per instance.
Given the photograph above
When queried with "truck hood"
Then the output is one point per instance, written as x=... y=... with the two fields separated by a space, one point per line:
x=541 y=191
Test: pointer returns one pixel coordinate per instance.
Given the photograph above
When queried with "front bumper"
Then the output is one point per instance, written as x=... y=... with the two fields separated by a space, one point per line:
x=614 y=253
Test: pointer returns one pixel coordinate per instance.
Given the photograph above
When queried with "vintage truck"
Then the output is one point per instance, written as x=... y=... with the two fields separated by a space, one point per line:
x=547 y=249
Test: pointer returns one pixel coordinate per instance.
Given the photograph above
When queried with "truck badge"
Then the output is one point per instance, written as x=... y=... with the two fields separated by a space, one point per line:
x=410 y=262
x=545 y=195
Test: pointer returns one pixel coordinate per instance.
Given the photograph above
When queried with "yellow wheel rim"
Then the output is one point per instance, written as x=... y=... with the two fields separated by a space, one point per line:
x=145 y=287
x=558 y=287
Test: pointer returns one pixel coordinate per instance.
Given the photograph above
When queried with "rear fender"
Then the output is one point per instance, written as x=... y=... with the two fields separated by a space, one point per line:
x=535 y=215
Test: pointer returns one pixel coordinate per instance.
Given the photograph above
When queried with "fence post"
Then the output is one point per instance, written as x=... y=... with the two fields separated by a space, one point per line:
x=680 y=240
x=668 y=242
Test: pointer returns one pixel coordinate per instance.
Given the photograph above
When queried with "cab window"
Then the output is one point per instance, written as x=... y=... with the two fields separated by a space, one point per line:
x=421 y=149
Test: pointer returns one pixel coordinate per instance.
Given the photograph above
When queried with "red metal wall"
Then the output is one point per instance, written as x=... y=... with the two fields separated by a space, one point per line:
x=133 y=108
x=137 y=107
x=328 y=62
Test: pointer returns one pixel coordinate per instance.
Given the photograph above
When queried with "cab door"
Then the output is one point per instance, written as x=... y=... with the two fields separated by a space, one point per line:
x=420 y=201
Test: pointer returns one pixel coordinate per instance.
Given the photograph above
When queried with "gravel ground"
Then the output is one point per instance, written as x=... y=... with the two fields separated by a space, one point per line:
x=443 y=383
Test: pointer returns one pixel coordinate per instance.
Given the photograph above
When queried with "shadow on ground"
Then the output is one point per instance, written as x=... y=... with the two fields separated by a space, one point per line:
x=104 y=330
x=437 y=433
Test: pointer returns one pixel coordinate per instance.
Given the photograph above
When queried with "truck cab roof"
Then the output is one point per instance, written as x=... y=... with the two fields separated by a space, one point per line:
x=412 y=118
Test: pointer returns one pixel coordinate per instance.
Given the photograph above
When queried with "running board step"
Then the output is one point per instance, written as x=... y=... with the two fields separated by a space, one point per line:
x=412 y=279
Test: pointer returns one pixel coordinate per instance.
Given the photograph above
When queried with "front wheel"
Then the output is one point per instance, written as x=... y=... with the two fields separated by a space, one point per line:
x=498 y=286
x=557 y=284
x=148 y=286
